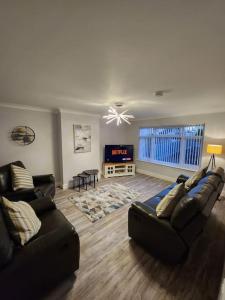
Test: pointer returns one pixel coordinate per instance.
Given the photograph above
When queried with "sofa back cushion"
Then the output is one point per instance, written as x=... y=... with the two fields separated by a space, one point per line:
x=190 y=205
x=211 y=179
x=219 y=172
x=21 y=178
x=6 y=178
x=6 y=243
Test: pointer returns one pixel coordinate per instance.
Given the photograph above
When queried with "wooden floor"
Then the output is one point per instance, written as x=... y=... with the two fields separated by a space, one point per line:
x=113 y=267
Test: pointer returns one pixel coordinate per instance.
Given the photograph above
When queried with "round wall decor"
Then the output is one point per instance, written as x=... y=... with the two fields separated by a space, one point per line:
x=23 y=135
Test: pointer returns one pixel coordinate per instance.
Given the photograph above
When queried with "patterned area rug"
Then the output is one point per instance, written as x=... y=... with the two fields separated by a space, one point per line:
x=99 y=202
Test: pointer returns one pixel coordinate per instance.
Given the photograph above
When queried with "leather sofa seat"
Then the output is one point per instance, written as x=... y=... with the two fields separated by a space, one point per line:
x=45 y=260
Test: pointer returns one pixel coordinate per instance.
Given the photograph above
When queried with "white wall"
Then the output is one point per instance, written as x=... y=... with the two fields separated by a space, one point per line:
x=74 y=163
x=214 y=134
x=40 y=157
x=53 y=148
x=102 y=134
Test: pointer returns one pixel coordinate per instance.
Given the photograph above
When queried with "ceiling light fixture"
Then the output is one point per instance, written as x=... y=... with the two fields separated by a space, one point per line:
x=114 y=115
x=160 y=93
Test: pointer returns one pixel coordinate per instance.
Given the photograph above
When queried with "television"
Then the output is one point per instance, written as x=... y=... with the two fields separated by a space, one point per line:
x=118 y=153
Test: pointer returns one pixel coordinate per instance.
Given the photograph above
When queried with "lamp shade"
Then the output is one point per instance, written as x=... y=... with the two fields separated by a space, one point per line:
x=214 y=149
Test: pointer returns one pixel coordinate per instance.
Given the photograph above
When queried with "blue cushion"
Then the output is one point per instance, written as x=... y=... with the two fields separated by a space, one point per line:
x=163 y=193
x=196 y=190
x=212 y=179
x=154 y=201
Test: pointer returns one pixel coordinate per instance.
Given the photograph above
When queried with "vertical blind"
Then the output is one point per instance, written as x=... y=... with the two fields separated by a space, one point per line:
x=178 y=146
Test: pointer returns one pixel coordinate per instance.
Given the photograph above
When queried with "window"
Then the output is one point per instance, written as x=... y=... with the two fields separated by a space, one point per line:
x=177 y=146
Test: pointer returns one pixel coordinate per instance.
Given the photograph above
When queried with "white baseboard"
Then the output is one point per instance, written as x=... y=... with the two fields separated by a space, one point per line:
x=157 y=175
x=64 y=186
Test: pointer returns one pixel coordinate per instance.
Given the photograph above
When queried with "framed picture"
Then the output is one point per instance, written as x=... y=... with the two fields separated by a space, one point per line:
x=82 y=138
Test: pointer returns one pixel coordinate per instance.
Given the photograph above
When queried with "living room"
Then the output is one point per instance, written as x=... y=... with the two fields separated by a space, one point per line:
x=109 y=110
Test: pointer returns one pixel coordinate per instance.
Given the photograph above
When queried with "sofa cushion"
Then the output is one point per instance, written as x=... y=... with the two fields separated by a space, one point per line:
x=166 y=206
x=47 y=189
x=153 y=202
x=211 y=179
x=191 y=204
x=220 y=188
x=6 y=243
x=193 y=180
x=164 y=192
x=51 y=221
x=22 y=220
x=202 y=192
x=21 y=178
x=218 y=172
x=41 y=205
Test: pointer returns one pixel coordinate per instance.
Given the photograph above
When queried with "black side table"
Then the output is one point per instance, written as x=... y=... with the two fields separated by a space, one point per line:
x=93 y=173
x=84 y=179
x=76 y=182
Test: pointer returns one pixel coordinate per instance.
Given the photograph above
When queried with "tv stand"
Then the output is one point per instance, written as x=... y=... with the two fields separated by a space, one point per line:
x=118 y=169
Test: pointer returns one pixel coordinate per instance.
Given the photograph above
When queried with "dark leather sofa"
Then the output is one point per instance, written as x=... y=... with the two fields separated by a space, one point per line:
x=171 y=239
x=44 y=261
x=44 y=185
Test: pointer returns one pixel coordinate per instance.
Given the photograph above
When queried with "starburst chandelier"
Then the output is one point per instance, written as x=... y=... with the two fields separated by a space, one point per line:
x=114 y=115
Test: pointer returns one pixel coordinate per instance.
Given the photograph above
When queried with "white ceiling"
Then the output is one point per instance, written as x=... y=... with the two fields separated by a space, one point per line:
x=85 y=55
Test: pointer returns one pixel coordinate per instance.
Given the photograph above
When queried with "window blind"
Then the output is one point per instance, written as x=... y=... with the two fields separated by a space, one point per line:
x=178 y=146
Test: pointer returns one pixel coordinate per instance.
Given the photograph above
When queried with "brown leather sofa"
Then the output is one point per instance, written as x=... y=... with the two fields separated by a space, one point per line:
x=29 y=271
x=171 y=239
x=44 y=185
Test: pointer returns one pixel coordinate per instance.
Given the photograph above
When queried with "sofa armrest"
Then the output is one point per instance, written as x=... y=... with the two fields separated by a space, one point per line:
x=143 y=209
x=43 y=204
x=41 y=179
x=148 y=215
x=182 y=178
x=155 y=234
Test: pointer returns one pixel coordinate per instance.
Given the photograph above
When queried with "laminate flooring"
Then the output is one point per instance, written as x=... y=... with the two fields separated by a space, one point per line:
x=113 y=267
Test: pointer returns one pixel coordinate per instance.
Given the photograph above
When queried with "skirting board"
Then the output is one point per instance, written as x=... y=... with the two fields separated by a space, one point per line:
x=157 y=175
x=65 y=186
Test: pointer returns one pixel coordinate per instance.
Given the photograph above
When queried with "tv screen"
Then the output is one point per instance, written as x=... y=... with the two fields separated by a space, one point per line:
x=118 y=153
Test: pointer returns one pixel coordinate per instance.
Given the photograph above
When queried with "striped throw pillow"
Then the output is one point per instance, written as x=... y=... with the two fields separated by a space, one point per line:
x=22 y=220
x=21 y=178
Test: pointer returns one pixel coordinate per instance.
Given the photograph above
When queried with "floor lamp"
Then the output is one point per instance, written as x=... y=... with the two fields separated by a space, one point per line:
x=213 y=149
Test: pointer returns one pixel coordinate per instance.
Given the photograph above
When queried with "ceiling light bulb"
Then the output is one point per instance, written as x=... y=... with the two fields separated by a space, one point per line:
x=118 y=117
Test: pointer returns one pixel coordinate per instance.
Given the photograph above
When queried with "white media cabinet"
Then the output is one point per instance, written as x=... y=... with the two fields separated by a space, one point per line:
x=118 y=169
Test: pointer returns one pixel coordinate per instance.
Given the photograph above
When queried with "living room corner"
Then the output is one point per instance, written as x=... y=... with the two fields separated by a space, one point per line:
x=112 y=154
